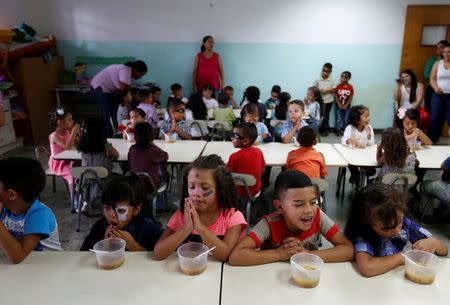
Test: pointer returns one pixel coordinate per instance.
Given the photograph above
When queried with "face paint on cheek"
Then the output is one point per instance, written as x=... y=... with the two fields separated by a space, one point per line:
x=121 y=212
x=208 y=193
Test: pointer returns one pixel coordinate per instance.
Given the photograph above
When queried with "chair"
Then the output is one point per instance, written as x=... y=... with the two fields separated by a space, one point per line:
x=198 y=126
x=218 y=129
x=41 y=151
x=275 y=125
x=151 y=190
x=400 y=179
x=85 y=174
x=117 y=133
x=246 y=181
x=429 y=201
x=321 y=186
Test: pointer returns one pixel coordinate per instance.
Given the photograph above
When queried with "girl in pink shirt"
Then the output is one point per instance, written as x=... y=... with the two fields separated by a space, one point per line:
x=207 y=212
x=61 y=139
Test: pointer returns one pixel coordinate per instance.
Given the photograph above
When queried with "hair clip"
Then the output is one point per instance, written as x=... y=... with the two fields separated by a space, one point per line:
x=60 y=111
x=401 y=113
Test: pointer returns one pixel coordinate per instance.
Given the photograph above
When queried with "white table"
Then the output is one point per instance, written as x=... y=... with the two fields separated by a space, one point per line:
x=184 y=151
x=276 y=153
x=74 y=278
x=358 y=156
x=431 y=157
x=339 y=284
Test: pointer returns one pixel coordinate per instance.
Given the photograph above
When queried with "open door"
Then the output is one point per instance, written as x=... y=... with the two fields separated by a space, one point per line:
x=420 y=21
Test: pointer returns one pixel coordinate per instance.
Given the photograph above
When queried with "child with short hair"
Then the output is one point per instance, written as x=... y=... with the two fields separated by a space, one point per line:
x=224 y=112
x=207 y=211
x=95 y=151
x=176 y=123
x=229 y=91
x=409 y=121
x=156 y=95
x=344 y=97
x=358 y=132
x=63 y=138
x=379 y=229
x=251 y=115
x=123 y=111
x=177 y=93
x=289 y=130
x=306 y=159
x=251 y=96
x=208 y=97
x=137 y=115
x=145 y=156
x=273 y=101
x=135 y=98
x=327 y=88
x=26 y=224
x=124 y=217
x=296 y=227
x=393 y=153
x=314 y=107
x=151 y=115
x=249 y=159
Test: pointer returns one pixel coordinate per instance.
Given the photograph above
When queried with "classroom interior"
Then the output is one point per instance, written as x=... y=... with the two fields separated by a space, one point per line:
x=261 y=43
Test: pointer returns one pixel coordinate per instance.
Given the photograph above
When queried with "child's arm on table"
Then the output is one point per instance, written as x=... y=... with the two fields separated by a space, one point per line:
x=17 y=249
x=431 y=245
x=370 y=266
x=341 y=252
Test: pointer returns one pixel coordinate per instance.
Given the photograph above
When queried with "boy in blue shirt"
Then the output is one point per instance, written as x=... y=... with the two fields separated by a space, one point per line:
x=26 y=224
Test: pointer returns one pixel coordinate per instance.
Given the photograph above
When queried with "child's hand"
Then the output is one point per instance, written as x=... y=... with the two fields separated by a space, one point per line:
x=188 y=223
x=108 y=232
x=76 y=128
x=354 y=141
x=289 y=247
x=112 y=153
x=427 y=244
x=264 y=136
x=297 y=125
x=198 y=225
x=173 y=127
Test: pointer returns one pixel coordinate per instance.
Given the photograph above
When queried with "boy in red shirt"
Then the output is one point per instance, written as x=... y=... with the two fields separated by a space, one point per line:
x=344 y=96
x=306 y=159
x=248 y=160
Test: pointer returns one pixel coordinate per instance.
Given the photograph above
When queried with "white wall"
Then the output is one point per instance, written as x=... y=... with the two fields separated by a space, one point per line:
x=244 y=21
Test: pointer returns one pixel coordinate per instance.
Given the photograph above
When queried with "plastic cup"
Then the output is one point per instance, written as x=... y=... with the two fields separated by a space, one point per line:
x=189 y=264
x=416 y=145
x=110 y=253
x=421 y=267
x=170 y=138
x=306 y=269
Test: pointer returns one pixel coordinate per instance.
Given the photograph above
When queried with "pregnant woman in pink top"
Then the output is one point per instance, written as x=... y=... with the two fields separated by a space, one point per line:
x=208 y=68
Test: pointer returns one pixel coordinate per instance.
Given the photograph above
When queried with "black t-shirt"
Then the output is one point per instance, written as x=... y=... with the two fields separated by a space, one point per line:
x=144 y=231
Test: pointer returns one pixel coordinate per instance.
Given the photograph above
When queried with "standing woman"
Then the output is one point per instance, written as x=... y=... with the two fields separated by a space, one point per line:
x=430 y=63
x=208 y=68
x=109 y=81
x=440 y=101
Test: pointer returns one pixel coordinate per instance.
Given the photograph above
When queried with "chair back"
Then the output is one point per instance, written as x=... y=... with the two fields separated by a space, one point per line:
x=89 y=172
x=400 y=179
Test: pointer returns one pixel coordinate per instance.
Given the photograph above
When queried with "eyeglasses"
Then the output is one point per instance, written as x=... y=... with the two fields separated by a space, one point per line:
x=237 y=136
x=180 y=110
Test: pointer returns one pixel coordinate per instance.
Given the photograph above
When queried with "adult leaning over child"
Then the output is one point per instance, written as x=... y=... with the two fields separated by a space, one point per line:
x=109 y=81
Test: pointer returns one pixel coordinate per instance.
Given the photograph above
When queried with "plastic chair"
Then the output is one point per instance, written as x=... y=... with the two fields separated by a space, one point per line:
x=117 y=133
x=276 y=124
x=39 y=152
x=403 y=179
x=84 y=174
x=151 y=190
x=321 y=186
x=246 y=181
x=429 y=201
x=201 y=126
x=218 y=129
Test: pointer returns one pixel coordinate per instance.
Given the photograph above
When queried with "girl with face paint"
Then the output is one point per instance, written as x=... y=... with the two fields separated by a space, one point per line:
x=207 y=211
x=124 y=217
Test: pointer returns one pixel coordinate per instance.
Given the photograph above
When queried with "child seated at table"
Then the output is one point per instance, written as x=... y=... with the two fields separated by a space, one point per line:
x=306 y=159
x=207 y=211
x=228 y=91
x=289 y=130
x=156 y=95
x=224 y=112
x=145 y=156
x=125 y=217
x=249 y=159
x=379 y=229
x=137 y=115
x=151 y=115
x=409 y=122
x=208 y=97
x=393 y=154
x=176 y=123
x=95 y=151
x=251 y=115
x=123 y=111
x=314 y=107
x=26 y=224
x=177 y=93
x=273 y=101
x=296 y=226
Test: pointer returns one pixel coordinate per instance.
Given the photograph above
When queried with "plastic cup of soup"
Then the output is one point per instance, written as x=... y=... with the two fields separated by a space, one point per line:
x=110 y=253
x=421 y=267
x=306 y=269
x=190 y=261
x=170 y=138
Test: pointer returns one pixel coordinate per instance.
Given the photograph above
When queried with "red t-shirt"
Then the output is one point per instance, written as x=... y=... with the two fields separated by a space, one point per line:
x=207 y=71
x=249 y=161
x=343 y=93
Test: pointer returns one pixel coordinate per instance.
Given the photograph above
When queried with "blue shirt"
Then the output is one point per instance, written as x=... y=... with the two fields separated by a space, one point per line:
x=168 y=124
x=388 y=246
x=287 y=127
x=262 y=128
x=39 y=220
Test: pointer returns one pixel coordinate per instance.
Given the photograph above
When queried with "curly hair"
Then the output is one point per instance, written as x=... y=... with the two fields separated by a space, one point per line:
x=355 y=114
x=375 y=202
x=395 y=147
x=226 y=192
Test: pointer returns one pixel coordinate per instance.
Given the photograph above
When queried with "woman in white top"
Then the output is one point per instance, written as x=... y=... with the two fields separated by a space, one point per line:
x=409 y=93
x=440 y=101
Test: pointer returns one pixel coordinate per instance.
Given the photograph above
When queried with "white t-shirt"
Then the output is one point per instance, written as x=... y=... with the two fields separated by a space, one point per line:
x=443 y=77
x=210 y=103
x=352 y=131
